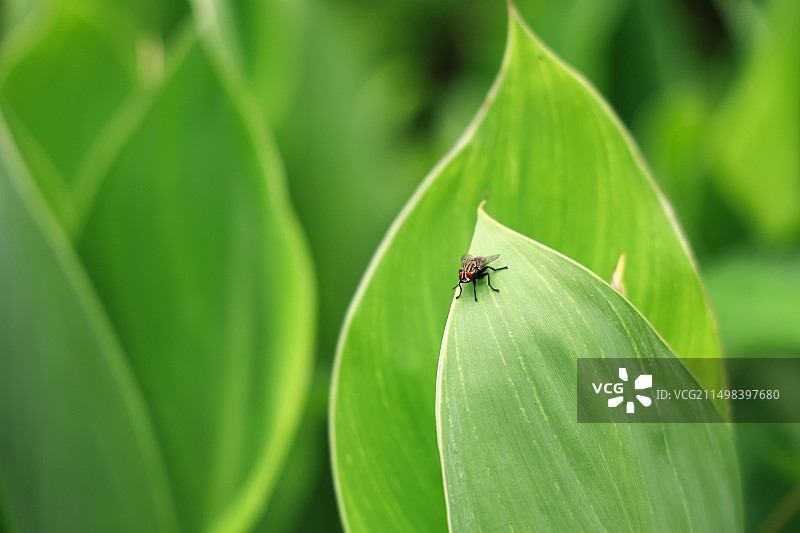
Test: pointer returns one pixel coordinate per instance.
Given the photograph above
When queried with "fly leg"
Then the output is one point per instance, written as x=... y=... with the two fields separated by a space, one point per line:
x=459 y=290
x=473 y=289
x=489 y=281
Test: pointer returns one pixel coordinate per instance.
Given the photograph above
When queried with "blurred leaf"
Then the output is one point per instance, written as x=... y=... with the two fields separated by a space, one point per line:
x=298 y=477
x=16 y=13
x=770 y=477
x=159 y=18
x=338 y=122
x=506 y=385
x=175 y=202
x=673 y=134
x=558 y=166
x=579 y=31
x=59 y=85
x=77 y=448
x=262 y=41
x=156 y=17
x=651 y=49
x=300 y=481
x=210 y=293
x=757 y=130
x=739 y=17
x=757 y=302
x=4 y=523
x=349 y=170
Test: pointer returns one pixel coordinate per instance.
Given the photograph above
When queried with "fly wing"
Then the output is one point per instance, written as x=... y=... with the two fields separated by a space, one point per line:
x=483 y=261
x=466 y=258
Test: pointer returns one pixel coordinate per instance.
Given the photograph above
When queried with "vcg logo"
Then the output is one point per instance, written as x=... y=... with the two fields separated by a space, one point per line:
x=644 y=381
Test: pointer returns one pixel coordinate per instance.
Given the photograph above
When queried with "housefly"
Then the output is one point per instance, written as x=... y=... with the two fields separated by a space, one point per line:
x=475 y=268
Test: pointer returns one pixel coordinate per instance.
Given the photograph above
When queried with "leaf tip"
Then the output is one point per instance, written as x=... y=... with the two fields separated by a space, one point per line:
x=617 y=282
x=485 y=199
x=483 y=216
x=519 y=29
x=481 y=210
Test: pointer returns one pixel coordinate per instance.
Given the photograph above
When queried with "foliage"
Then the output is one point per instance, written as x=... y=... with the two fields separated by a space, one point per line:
x=149 y=351
x=512 y=452
x=521 y=149
x=158 y=322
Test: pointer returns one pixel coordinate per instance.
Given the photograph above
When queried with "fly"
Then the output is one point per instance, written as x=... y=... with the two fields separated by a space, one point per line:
x=475 y=268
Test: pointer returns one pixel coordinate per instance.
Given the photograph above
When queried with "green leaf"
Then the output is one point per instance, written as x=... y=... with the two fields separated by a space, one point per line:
x=579 y=30
x=261 y=41
x=354 y=128
x=559 y=167
x=672 y=131
x=757 y=299
x=211 y=292
x=183 y=225
x=303 y=469
x=15 y=13
x=77 y=450
x=512 y=450
x=757 y=129
x=61 y=81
